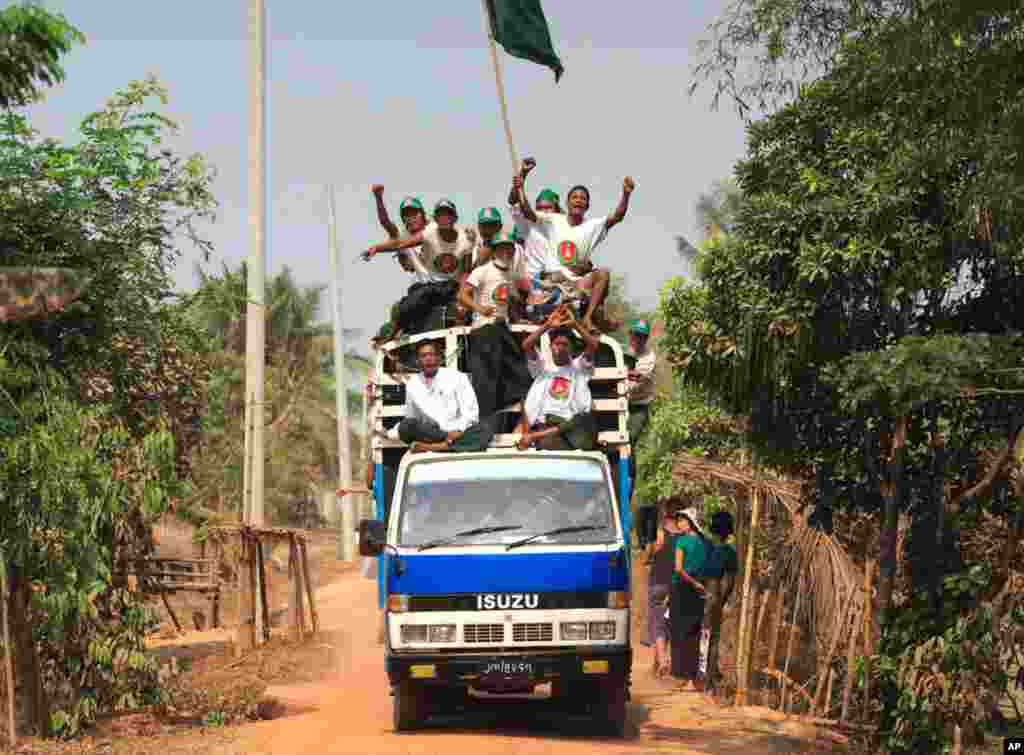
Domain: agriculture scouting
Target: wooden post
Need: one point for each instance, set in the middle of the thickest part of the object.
(313, 617)
(773, 642)
(868, 626)
(791, 641)
(743, 662)
(851, 660)
(262, 583)
(170, 612)
(748, 652)
(5, 598)
(296, 618)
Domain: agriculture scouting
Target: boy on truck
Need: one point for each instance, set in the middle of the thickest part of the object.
(495, 358)
(557, 413)
(446, 252)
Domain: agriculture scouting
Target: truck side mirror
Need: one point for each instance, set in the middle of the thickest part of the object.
(372, 536)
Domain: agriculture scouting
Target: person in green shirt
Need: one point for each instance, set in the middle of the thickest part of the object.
(721, 569)
(687, 606)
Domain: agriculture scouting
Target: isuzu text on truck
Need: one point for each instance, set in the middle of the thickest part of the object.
(504, 571)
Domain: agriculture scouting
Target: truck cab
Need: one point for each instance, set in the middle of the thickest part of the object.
(504, 572)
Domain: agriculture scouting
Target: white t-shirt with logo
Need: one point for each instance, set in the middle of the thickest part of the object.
(493, 287)
(536, 253)
(562, 391)
(439, 260)
(570, 246)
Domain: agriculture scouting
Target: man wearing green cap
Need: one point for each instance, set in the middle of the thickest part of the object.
(572, 240)
(446, 251)
(488, 225)
(640, 386)
(495, 359)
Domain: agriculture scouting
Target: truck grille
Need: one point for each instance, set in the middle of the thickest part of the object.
(484, 633)
(532, 632)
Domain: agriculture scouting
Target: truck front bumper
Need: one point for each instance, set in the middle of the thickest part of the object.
(503, 670)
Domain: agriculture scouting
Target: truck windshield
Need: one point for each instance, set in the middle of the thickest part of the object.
(441, 499)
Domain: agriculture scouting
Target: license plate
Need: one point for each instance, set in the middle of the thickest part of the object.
(506, 668)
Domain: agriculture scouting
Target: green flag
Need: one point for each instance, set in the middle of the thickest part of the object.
(520, 27)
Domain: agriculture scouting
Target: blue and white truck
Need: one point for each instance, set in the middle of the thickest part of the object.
(504, 571)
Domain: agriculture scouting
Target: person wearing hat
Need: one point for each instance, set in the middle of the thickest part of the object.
(558, 410)
(415, 220)
(488, 225)
(446, 251)
(640, 384)
(721, 570)
(688, 594)
(495, 359)
(571, 241)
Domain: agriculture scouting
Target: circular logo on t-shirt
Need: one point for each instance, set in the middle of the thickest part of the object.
(446, 263)
(559, 388)
(567, 252)
(500, 294)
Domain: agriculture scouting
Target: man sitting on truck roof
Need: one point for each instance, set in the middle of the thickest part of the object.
(571, 242)
(441, 412)
(557, 413)
(446, 251)
(495, 358)
(415, 220)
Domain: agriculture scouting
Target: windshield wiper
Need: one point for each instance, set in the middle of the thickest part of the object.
(559, 531)
(468, 533)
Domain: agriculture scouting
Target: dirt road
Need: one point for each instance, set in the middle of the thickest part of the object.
(351, 713)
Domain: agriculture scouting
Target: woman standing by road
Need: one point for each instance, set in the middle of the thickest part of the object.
(721, 568)
(687, 610)
(661, 556)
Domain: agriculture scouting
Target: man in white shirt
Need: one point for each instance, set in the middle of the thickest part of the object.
(640, 388)
(572, 240)
(557, 413)
(441, 412)
(446, 253)
(495, 358)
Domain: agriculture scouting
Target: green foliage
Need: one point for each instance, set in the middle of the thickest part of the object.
(684, 423)
(101, 400)
(68, 521)
(32, 42)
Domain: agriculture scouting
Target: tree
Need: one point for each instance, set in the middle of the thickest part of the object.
(829, 317)
(32, 42)
(99, 400)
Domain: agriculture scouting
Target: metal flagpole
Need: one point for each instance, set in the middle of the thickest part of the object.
(347, 551)
(255, 331)
(501, 86)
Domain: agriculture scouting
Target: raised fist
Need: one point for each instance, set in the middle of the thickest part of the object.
(377, 189)
(528, 164)
(628, 185)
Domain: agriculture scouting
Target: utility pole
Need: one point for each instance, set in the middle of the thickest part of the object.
(255, 324)
(346, 549)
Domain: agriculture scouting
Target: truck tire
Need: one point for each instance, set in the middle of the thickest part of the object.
(407, 707)
(612, 710)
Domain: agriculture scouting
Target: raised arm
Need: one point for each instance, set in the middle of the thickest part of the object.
(590, 341)
(382, 212)
(393, 245)
(524, 205)
(620, 211)
(554, 320)
(513, 194)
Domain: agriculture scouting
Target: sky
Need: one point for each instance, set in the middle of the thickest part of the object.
(403, 94)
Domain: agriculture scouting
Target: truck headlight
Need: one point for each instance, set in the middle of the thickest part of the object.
(441, 632)
(398, 603)
(574, 630)
(414, 633)
(602, 630)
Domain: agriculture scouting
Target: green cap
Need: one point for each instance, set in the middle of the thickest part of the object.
(445, 204)
(548, 195)
(410, 203)
(641, 327)
(489, 215)
(503, 237)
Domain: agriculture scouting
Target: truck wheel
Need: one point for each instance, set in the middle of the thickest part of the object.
(613, 710)
(407, 707)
